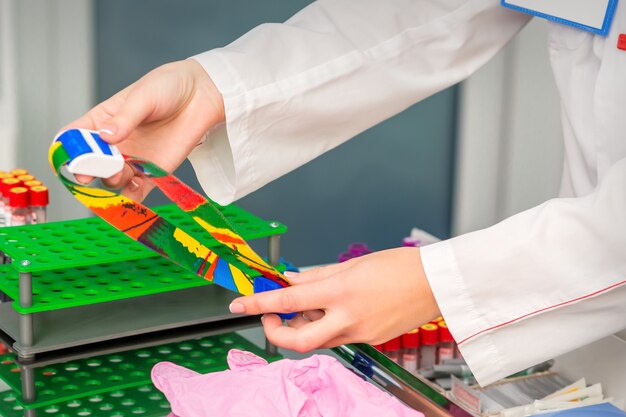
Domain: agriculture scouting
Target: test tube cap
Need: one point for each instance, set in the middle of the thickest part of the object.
(444, 332)
(429, 334)
(32, 183)
(39, 196)
(411, 339)
(25, 177)
(19, 171)
(4, 175)
(7, 184)
(392, 345)
(19, 197)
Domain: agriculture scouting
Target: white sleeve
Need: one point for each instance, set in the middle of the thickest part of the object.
(538, 284)
(295, 90)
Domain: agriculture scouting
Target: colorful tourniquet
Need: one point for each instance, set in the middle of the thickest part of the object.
(231, 263)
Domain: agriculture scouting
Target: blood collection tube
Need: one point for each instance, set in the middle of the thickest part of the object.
(410, 351)
(39, 204)
(5, 185)
(446, 343)
(18, 171)
(19, 202)
(429, 337)
(392, 349)
(378, 347)
(3, 175)
(25, 177)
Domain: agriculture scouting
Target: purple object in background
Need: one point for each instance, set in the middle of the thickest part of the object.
(419, 238)
(354, 251)
(345, 256)
(410, 242)
(359, 249)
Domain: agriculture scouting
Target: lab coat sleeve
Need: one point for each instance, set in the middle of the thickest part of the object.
(295, 90)
(538, 284)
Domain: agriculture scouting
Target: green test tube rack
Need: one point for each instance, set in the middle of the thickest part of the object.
(63, 274)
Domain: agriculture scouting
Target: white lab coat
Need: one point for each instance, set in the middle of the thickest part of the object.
(545, 281)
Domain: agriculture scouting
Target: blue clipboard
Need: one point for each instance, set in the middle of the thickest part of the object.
(603, 31)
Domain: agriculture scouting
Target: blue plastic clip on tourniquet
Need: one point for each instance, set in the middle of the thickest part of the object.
(262, 284)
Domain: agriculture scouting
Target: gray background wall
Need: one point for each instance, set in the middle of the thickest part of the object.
(373, 189)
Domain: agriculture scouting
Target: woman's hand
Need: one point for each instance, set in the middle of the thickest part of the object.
(368, 299)
(161, 118)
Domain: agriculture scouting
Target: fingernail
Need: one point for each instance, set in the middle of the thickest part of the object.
(290, 274)
(237, 308)
(133, 185)
(109, 130)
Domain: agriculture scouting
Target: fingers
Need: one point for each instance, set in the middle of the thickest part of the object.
(122, 178)
(135, 109)
(317, 274)
(304, 338)
(306, 317)
(308, 296)
(83, 179)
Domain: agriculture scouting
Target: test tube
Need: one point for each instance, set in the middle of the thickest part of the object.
(446, 343)
(392, 349)
(19, 202)
(410, 351)
(5, 185)
(429, 337)
(39, 204)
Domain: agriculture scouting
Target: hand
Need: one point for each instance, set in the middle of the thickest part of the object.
(369, 299)
(161, 118)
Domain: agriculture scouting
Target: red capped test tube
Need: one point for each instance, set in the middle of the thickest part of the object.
(429, 338)
(19, 202)
(446, 343)
(39, 201)
(410, 351)
(392, 349)
(5, 185)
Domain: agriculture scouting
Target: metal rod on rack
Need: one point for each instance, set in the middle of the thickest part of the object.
(273, 254)
(26, 300)
(28, 384)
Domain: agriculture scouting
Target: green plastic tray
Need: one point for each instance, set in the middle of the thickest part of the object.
(83, 285)
(86, 285)
(80, 378)
(142, 401)
(73, 243)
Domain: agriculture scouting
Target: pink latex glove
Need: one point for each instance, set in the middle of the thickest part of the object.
(319, 386)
